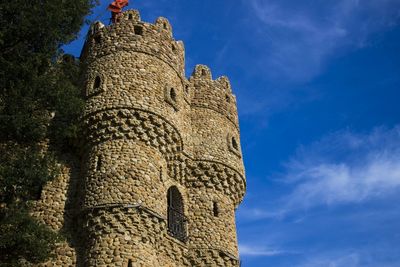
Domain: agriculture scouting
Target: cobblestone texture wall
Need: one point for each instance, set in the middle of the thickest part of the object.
(148, 128)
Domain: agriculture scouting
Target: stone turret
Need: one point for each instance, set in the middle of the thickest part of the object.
(216, 185)
(162, 168)
(164, 171)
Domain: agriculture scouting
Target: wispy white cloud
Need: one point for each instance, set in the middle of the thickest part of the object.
(300, 37)
(345, 167)
(257, 213)
(349, 260)
(355, 258)
(252, 250)
(360, 170)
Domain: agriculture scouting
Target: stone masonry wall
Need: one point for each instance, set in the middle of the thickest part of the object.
(57, 208)
(146, 129)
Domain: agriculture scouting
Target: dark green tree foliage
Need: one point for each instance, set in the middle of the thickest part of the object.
(22, 237)
(39, 105)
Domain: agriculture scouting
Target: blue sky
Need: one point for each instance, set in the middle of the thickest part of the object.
(318, 88)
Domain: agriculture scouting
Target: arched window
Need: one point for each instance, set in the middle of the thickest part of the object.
(172, 94)
(97, 83)
(99, 163)
(176, 217)
(215, 209)
(234, 143)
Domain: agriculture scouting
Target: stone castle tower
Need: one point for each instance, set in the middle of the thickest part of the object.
(162, 168)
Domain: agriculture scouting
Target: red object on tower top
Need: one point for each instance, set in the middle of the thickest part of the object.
(116, 8)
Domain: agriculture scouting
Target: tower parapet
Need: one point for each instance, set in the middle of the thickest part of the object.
(213, 94)
(132, 34)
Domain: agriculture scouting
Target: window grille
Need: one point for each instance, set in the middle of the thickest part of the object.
(176, 217)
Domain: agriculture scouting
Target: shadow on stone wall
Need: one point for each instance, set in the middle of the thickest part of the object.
(72, 227)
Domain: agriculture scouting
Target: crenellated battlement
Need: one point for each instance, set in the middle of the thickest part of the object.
(130, 34)
(213, 94)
